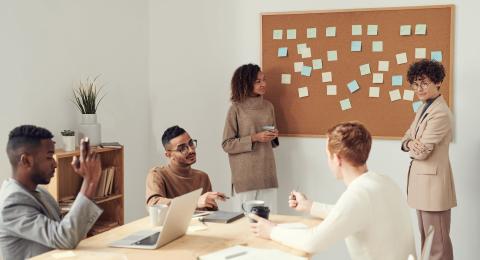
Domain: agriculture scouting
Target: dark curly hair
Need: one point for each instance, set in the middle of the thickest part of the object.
(171, 133)
(432, 69)
(27, 138)
(243, 80)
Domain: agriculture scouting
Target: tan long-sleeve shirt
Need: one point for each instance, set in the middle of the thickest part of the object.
(167, 182)
(252, 164)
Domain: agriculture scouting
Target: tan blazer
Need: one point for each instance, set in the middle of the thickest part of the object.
(430, 184)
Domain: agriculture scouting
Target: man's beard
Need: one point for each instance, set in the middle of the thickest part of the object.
(37, 177)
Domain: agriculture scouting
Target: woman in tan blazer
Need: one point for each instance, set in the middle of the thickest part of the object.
(249, 135)
(430, 187)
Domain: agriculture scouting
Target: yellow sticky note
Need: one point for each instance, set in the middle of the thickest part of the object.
(298, 66)
(332, 55)
(311, 33)
(331, 31)
(395, 95)
(364, 69)
(374, 92)
(377, 78)
(277, 34)
(291, 34)
(303, 92)
(331, 90)
(372, 29)
(306, 53)
(345, 104)
(301, 47)
(317, 64)
(420, 53)
(405, 30)
(421, 29)
(286, 79)
(401, 58)
(357, 29)
(327, 76)
(408, 94)
(383, 65)
(377, 46)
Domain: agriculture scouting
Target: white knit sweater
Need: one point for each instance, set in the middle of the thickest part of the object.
(371, 215)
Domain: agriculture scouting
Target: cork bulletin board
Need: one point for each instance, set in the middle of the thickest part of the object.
(325, 67)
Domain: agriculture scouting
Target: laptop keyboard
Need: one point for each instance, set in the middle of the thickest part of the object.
(148, 241)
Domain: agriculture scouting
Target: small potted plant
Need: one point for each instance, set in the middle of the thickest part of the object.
(68, 137)
(87, 98)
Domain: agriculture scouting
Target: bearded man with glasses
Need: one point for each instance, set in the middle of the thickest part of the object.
(430, 186)
(178, 177)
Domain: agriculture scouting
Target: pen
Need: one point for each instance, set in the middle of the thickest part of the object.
(223, 196)
(235, 255)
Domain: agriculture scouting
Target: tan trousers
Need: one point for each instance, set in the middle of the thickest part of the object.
(440, 220)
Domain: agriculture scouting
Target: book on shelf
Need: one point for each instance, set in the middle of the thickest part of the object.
(105, 185)
(110, 145)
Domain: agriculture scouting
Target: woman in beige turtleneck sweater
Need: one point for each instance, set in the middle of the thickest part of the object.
(248, 145)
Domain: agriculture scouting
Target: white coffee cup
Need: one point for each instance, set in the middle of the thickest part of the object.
(248, 205)
(157, 214)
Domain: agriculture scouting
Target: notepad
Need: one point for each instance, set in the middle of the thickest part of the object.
(222, 216)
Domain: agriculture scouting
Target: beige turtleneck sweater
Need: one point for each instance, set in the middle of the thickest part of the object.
(252, 164)
(167, 182)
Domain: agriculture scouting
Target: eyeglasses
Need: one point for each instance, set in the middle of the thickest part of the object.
(423, 85)
(183, 148)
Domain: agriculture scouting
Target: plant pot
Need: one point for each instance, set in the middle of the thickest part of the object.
(90, 128)
(69, 143)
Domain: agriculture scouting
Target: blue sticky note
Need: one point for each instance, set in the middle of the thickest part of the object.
(397, 80)
(416, 105)
(353, 86)
(436, 55)
(306, 71)
(356, 46)
(282, 51)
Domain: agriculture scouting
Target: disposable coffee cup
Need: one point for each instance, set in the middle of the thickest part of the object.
(157, 214)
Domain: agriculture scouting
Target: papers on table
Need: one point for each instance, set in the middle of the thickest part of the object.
(249, 253)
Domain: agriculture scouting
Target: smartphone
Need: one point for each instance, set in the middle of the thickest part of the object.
(86, 148)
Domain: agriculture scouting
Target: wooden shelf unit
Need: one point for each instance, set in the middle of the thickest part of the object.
(66, 183)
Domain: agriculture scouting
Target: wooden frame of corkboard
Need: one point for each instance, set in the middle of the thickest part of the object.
(311, 116)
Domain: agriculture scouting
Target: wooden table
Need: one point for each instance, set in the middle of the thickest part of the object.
(195, 243)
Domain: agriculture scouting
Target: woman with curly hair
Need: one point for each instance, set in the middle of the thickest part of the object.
(430, 187)
(249, 135)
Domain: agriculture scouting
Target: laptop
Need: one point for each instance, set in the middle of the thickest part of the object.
(176, 224)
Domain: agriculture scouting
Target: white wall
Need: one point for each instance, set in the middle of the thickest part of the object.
(195, 47)
(170, 62)
(46, 46)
